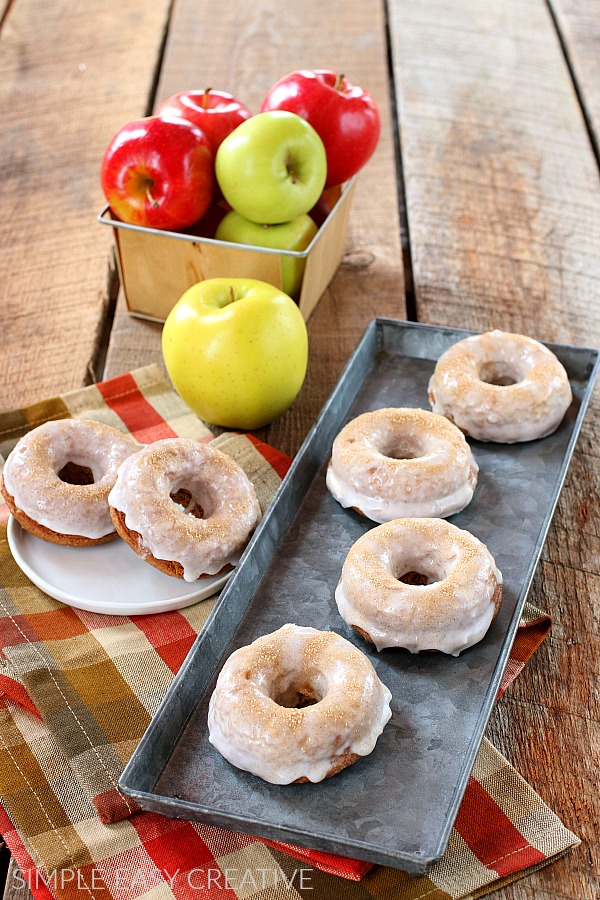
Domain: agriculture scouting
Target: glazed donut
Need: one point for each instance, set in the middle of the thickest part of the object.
(297, 705)
(57, 479)
(401, 462)
(186, 508)
(421, 584)
(501, 387)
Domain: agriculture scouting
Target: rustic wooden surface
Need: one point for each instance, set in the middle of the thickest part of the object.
(69, 78)
(578, 24)
(499, 186)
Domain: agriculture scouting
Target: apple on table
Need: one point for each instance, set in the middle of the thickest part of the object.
(158, 172)
(236, 351)
(295, 236)
(272, 168)
(344, 115)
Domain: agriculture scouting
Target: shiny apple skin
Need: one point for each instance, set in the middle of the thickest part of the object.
(158, 172)
(345, 116)
(272, 168)
(216, 113)
(294, 235)
(236, 351)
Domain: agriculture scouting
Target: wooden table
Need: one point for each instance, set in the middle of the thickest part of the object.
(481, 208)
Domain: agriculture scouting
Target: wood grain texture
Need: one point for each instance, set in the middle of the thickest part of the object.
(68, 80)
(579, 25)
(501, 183)
(249, 48)
(503, 207)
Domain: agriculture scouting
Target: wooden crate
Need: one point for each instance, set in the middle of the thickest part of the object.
(157, 267)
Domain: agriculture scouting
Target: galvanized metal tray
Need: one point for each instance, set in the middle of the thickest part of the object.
(396, 806)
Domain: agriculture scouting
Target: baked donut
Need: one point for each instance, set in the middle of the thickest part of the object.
(421, 584)
(297, 705)
(401, 462)
(501, 387)
(57, 479)
(186, 508)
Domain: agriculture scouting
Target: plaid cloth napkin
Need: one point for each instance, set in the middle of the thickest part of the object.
(77, 690)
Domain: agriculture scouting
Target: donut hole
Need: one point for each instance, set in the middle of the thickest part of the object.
(74, 473)
(194, 497)
(498, 373)
(403, 453)
(402, 450)
(297, 694)
(417, 578)
(187, 503)
(416, 573)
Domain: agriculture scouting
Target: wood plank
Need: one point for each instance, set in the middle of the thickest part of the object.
(503, 208)
(579, 25)
(501, 183)
(60, 107)
(266, 40)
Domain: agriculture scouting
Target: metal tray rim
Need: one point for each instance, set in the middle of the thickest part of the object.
(104, 218)
(227, 821)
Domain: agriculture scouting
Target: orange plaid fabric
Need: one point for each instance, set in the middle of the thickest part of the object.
(77, 690)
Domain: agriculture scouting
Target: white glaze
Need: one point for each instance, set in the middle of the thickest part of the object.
(281, 744)
(31, 475)
(450, 614)
(533, 407)
(216, 482)
(438, 479)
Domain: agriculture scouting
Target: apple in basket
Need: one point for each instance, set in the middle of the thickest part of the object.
(236, 350)
(272, 168)
(295, 236)
(216, 113)
(344, 115)
(158, 172)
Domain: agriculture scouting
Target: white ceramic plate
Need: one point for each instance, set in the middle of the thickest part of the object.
(108, 578)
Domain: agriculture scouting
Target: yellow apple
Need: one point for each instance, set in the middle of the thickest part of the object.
(236, 350)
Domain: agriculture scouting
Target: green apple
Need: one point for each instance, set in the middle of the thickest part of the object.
(236, 350)
(295, 235)
(272, 168)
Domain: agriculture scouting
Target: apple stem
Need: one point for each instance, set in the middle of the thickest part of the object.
(205, 98)
(151, 198)
(340, 82)
(231, 294)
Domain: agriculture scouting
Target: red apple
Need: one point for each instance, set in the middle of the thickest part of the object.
(158, 172)
(215, 112)
(344, 116)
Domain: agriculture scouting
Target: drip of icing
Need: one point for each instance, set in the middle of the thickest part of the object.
(433, 472)
(530, 408)
(217, 484)
(450, 614)
(31, 475)
(280, 744)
